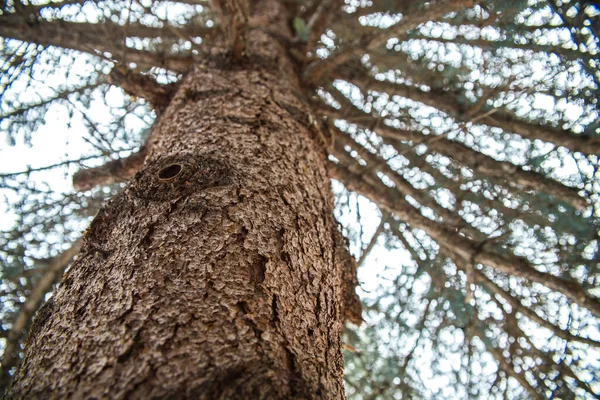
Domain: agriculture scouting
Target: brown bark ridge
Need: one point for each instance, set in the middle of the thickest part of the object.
(216, 273)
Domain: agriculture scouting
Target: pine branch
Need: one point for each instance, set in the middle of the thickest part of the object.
(33, 10)
(112, 172)
(144, 86)
(30, 170)
(95, 39)
(60, 95)
(321, 69)
(319, 21)
(559, 50)
(511, 174)
(379, 164)
(51, 275)
(450, 105)
(511, 323)
(368, 185)
(372, 243)
(192, 2)
(575, 26)
(508, 368)
(234, 21)
(419, 160)
(516, 305)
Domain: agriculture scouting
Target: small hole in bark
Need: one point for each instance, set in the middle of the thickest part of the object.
(243, 307)
(310, 332)
(169, 172)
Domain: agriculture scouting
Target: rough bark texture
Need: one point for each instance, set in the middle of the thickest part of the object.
(214, 274)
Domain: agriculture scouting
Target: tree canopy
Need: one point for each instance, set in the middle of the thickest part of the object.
(463, 139)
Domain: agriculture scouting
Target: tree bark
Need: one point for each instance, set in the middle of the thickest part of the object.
(216, 273)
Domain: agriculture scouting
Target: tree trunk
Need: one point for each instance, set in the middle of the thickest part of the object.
(213, 275)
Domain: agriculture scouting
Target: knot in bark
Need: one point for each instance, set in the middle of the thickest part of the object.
(177, 176)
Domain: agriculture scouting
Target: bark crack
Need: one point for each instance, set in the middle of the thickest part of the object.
(275, 312)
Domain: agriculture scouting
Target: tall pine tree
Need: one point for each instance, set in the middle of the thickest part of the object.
(462, 138)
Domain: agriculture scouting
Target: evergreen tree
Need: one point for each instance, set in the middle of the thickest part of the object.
(462, 138)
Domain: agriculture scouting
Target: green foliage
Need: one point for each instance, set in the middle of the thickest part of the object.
(302, 30)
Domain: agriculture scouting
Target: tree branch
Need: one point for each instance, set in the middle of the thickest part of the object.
(47, 167)
(510, 321)
(51, 275)
(33, 10)
(405, 187)
(93, 38)
(367, 250)
(368, 185)
(511, 174)
(112, 172)
(318, 70)
(60, 95)
(144, 86)
(419, 161)
(508, 368)
(450, 105)
(234, 21)
(560, 51)
(318, 22)
(529, 313)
